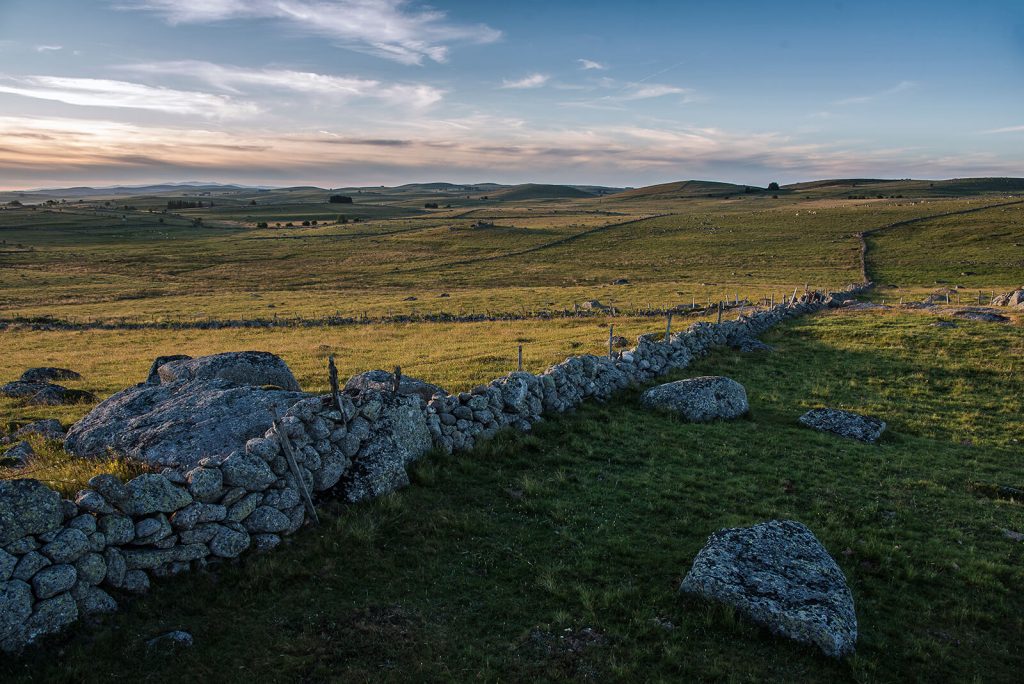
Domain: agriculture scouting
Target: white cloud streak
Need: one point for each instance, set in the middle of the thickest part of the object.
(1005, 129)
(392, 29)
(589, 64)
(900, 87)
(49, 48)
(526, 82)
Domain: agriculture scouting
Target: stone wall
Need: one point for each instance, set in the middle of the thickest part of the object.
(61, 560)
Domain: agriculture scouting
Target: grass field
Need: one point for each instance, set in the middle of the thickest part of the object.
(558, 555)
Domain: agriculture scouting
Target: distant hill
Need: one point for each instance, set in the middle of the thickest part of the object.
(953, 187)
(131, 190)
(529, 191)
(685, 189)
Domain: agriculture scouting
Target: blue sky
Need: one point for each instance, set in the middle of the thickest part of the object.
(341, 92)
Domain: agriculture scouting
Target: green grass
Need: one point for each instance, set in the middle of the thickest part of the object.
(494, 563)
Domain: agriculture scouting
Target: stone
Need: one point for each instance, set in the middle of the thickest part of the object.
(16, 602)
(31, 563)
(779, 575)
(400, 437)
(147, 559)
(135, 582)
(18, 455)
(152, 530)
(266, 519)
(22, 390)
(981, 315)
(57, 395)
(252, 368)
(92, 600)
(27, 507)
(152, 493)
(699, 399)
(205, 484)
(119, 529)
(748, 344)
(265, 448)
(91, 568)
(53, 580)
(333, 466)
(153, 377)
(383, 382)
(51, 616)
(69, 545)
(116, 567)
(48, 428)
(178, 423)
(265, 542)
(171, 640)
(93, 502)
(110, 488)
(844, 423)
(48, 374)
(84, 522)
(8, 562)
(244, 508)
(229, 543)
(247, 471)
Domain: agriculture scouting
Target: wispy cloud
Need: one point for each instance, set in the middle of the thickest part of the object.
(392, 29)
(232, 78)
(900, 87)
(97, 92)
(589, 64)
(646, 91)
(1006, 129)
(531, 81)
(49, 48)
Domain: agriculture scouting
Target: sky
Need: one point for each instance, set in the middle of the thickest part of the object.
(381, 92)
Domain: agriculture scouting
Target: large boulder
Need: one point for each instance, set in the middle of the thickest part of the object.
(382, 381)
(779, 575)
(251, 368)
(48, 373)
(27, 507)
(844, 423)
(399, 436)
(206, 407)
(699, 399)
(1013, 298)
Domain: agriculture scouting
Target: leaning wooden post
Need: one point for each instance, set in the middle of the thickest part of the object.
(520, 358)
(719, 312)
(332, 371)
(398, 380)
(773, 300)
(668, 327)
(286, 447)
(611, 334)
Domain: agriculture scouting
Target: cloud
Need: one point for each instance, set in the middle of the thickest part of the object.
(49, 48)
(1007, 129)
(97, 92)
(392, 29)
(646, 91)
(230, 78)
(588, 64)
(531, 81)
(900, 87)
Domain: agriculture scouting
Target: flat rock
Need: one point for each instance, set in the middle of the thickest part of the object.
(58, 395)
(49, 428)
(779, 575)
(699, 399)
(981, 315)
(844, 423)
(252, 368)
(20, 389)
(48, 374)
(383, 382)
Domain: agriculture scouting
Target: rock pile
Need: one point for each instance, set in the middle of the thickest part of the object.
(779, 575)
(1014, 299)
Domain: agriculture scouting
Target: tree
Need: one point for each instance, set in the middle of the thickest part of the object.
(340, 199)
(773, 186)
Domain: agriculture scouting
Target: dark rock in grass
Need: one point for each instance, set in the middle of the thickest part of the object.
(153, 377)
(253, 368)
(619, 342)
(48, 374)
(17, 455)
(779, 575)
(27, 507)
(179, 422)
(943, 324)
(699, 399)
(48, 428)
(22, 390)
(844, 423)
(56, 395)
(171, 641)
(981, 315)
(748, 345)
(383, 382)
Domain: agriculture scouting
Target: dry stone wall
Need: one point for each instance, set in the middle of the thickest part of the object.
(61, 560)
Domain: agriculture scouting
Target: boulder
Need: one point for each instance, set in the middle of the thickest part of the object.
(981, 315)
(152, 493)
(57, 395)
(153, 377)
(178, 423)
(48, 374)
(48, 428)
(27, 507)
(779, 575)
(400, 436)
(17, 455)
(22, 390)
(1013, 298)
(593, 304)
(252, 368)
(844, 423)
(383, 382)
(699, 399)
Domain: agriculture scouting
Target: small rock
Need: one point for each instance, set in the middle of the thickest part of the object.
(844, 423)
(48, 428)
(172, 640)
(53, 580)
(19, 454)
(152, 493)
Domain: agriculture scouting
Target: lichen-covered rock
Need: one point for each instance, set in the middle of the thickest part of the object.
(51, 616)
(30, 563)
(205, 484)
(27, 507)
(48, 428)
(247, 471)
(69, 545)
(18, 455)
(152, 493)
(252, 368)
(58, 395)
(91, 568)
(383, 382)
(153, 377)
(266, 519)
(48, 374)
(779, 575)
(92, 600)
(16, 601)
(699, 399)
(53, 580)
(20, 389)
(7, 564)
(229, 543)
(844, 423)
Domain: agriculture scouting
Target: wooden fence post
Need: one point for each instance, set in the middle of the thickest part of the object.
(286, 447)
(332, 371)
(668, 327)
(719, 312)
(398, 379)
(611, 333)
(520, 358)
